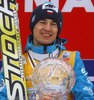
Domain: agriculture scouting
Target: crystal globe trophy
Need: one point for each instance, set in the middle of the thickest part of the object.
(53, 78)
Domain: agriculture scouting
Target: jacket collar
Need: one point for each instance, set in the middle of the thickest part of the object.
(57, 43)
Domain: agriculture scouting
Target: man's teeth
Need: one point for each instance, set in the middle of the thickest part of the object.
(46, 34)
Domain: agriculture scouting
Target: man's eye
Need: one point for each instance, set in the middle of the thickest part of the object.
(42, 22)
(54, 24)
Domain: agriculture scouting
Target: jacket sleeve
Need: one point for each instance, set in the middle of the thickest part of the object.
(3, 94)
(83, 88)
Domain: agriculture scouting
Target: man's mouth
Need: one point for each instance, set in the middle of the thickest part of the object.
(46, 34)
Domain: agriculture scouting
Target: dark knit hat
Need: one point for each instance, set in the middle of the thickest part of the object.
(46, 11)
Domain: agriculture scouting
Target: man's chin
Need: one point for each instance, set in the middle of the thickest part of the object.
(47, 44)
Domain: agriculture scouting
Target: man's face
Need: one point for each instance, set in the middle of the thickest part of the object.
(44, 32)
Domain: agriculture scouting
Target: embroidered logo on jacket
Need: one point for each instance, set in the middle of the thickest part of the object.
(66, 55)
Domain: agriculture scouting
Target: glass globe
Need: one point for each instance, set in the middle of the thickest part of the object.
(53, 77)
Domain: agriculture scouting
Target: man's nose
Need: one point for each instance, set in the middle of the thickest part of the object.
(48, 27)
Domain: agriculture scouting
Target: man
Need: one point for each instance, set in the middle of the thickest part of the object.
(45, 25)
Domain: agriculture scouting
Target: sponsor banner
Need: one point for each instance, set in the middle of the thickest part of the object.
(89, 65)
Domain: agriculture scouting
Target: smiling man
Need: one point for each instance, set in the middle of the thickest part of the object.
(45, 32)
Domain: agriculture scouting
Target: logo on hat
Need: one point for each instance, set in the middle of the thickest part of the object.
(50, 7)
(49, 12)
(33, 18)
